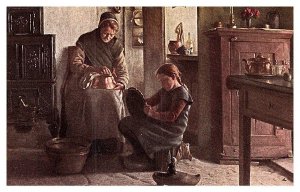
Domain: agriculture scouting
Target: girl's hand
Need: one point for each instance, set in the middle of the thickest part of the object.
(148, 110)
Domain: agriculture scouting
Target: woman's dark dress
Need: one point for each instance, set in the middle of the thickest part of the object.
(95, 113)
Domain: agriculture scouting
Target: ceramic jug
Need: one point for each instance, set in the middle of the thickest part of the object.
(273, 19)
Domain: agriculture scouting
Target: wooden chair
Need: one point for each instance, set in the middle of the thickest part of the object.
(63, 124)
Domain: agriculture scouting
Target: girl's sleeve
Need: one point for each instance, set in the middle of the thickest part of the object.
(180, 100)
(172, 115)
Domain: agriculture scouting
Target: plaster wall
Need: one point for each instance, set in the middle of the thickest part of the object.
(67, 23)
(188, 17)
(133, 55)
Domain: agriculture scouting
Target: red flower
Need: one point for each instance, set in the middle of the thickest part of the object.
(248, 13)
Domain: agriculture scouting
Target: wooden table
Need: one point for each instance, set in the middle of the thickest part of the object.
(266, 99)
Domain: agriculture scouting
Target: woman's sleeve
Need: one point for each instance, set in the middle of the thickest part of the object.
(77, 61)
(120, 69)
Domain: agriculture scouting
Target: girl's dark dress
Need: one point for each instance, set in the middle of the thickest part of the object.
(155, 135)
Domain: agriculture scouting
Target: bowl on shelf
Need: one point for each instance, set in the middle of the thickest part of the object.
(173, 46)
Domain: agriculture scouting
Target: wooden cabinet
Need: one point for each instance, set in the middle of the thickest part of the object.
(31, 81)
(31, 78)
(228, 47)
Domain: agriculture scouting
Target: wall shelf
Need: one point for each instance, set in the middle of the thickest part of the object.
(178, 57)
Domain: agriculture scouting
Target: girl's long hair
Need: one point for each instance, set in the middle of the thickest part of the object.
(170, 70)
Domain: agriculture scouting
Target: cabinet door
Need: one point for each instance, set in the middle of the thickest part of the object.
(31, 58)
(22, 98)
(25, 20)
(267, 140)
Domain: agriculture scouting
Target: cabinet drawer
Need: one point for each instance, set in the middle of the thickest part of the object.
(267, 103)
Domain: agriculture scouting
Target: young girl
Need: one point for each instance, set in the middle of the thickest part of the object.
(167, 117)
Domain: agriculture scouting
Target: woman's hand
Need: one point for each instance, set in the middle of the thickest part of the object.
(103, 70)
(95, 82)
(119, 86)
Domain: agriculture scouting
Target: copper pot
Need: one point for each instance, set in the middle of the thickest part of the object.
(258, 65)
(68, 155)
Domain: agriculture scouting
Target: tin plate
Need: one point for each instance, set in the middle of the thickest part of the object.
(135, 102)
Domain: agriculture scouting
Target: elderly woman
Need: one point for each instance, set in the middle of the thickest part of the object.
(94, 90)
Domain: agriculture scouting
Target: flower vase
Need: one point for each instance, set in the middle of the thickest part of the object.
(248, 23)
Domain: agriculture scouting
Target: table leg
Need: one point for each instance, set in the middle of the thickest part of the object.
(244, 142)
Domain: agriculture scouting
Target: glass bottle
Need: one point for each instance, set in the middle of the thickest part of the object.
(278, 68)
(189, 44)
